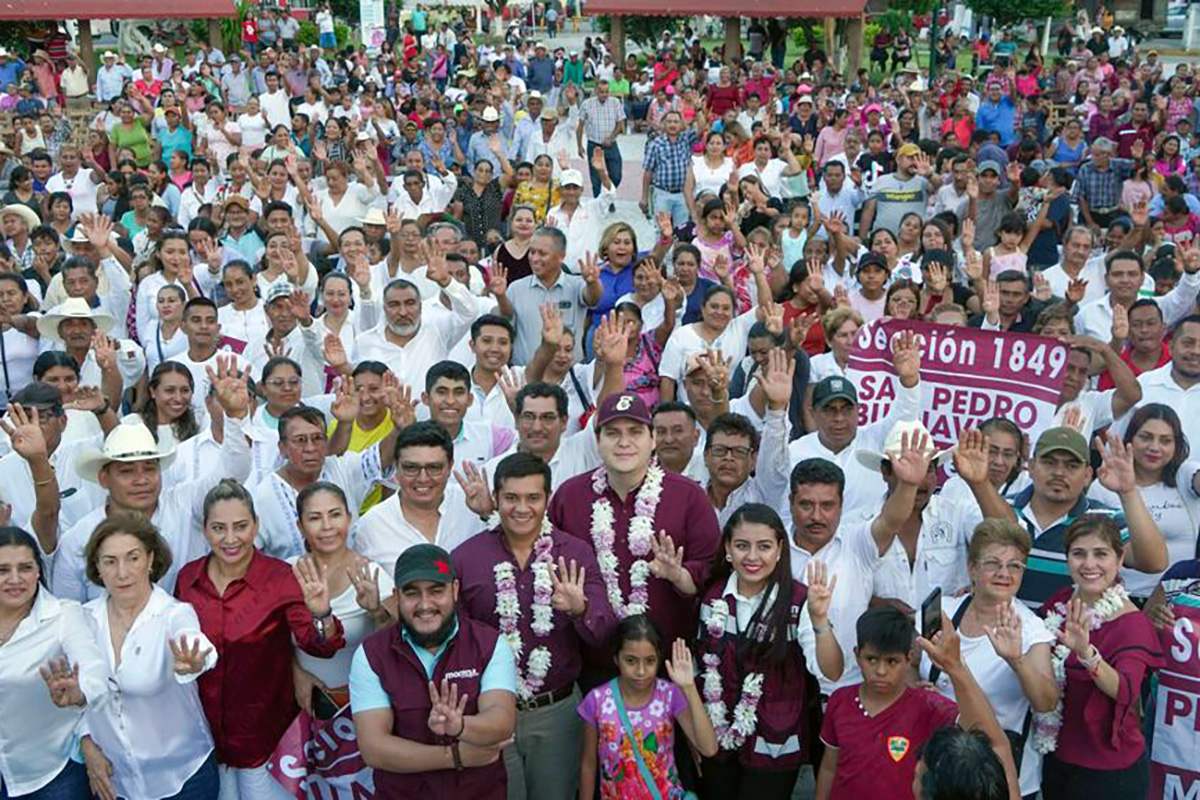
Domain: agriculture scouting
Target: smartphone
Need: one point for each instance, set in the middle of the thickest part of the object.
(324, 707)
(931, 614)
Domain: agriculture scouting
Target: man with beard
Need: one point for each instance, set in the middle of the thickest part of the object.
(655, 531)
(1061, 473)
(414, 335)
(544, 628)
(434, 698)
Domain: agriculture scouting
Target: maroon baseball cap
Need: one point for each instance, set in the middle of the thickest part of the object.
(622, 406)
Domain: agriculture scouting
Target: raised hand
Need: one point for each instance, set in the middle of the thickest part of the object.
(104, 348)
(967, 235)
(446, 717)
(945, 651)
(773, 316)
(474, 483)
(62, 679)
(776, 379)
(841, 297)
(232, 386)
(335, 352)
(188, 660)
(1120, 322)
(1005, 635)
(939, 278)
(1076, 630)
(568, 581)
(301, 307)
(991, 300)
(668, 559)
(314, 586)
(25, 433)
(498, 280)
(820, 591)
(680, 667)
(970, 457)
(611, 342)
(755, 258)
(911, 464)
(1041, 287)
(906, 358)
(716, 372)
(366, 587)
(1073, 417)
(1076, 290)
(589, 267)
(1116, 471)
(400, 403)
(552, 325)
(511, 383)
(666, 226)
(346, 402)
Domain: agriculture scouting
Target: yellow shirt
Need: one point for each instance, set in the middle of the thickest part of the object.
(360, 440)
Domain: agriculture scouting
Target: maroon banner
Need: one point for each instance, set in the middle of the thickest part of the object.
(1175, 754)
(318, 760)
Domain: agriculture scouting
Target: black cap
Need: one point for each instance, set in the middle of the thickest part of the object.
(868, 259)
(41, 396)
(835, 387)
(424, 562)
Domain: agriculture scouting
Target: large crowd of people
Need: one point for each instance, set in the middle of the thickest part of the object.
(339, 387)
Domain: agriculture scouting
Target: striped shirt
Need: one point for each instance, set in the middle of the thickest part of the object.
(1046, 568)
(600, 119)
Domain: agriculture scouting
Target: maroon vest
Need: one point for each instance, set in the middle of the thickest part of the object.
(407, 684)
(782, 705)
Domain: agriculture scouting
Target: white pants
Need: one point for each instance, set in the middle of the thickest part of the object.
(254, 783)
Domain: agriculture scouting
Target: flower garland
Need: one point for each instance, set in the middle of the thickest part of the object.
(1046, 724)
(641, 541)
(745, 713)
(508, 609)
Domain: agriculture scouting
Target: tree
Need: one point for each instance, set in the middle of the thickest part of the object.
(642, 29)
(1007, 12)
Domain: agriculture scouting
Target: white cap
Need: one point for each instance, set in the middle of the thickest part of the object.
(571, 177)
(804, 98)
(158, 48)
(535, 95)
(3, 52)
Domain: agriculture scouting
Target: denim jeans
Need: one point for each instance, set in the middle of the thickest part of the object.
(205, 783)
(70, 784)
(612, 162)
(672, 203)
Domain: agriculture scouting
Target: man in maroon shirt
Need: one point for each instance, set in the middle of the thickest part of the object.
(542, 589)
(654, 532)
(1139, 126)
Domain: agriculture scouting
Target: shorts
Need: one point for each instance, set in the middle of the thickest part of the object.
(328, 40)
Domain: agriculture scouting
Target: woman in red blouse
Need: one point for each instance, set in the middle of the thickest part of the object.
(1107, 648)
(250, 607)
(723, 96)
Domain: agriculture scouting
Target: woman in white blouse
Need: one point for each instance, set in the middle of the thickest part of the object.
(18, 348)
(707, 172)
(172, 260)
(361, 591)
(151, 739)
(1005, 644)
(340, 204)
(243, 317)
(283, 257)
(166, 338)
(349, 306)
(40, 633)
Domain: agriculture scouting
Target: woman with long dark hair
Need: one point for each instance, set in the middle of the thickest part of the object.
(753, 671)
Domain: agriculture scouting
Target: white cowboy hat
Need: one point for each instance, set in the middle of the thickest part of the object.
(491, 115)
(22, 211)
(373, 217)
(72, 308)
(129, 441)
(891, 446)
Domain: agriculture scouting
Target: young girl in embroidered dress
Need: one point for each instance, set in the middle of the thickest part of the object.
(630, 732)
(753, 673)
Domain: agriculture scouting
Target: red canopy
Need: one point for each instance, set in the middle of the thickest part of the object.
(113, 9)
(721, 8)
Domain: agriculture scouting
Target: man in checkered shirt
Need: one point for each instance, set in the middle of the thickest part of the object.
(665, 167)
(602, 118)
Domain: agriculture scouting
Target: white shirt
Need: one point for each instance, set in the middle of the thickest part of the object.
(440, 330)
(685, 341)
(823, 366)
(865, 489)
(178, 518)
(998, 680)
(584, 227)
(312, 369)
(771, 175)
(1095, 318)
(79, 496)
(254, 130)
(1159, 386)
(772, 471)
(941, 557)
(435, 196)
(244, 325)
(159, 349)
(275, 108)
(82, 188)
(852, 556)
(200, 380)
(575, 455)
(347, 211)
(36, 736)
(706, 178)
(357, 625)
(149, 697)
(1095, 408)
(275, 500)
(384, 534)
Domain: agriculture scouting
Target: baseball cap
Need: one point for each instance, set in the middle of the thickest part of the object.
(571, 177)
(909, 149)
(622, 406)
(424, 562)
(869, 259)
(1064, 439)
(278, 289)
(41, 396)
(835, 387)
(984, 166)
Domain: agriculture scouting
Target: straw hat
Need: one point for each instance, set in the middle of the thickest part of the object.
(72, 308)
(22, 211)
(129, 441)
(892, 445)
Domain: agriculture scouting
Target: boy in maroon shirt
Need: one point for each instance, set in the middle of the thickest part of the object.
(874, 731)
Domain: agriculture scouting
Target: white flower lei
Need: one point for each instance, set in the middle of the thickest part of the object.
(641, 540)
(745, 713)
(508, 609)
(1047, 724)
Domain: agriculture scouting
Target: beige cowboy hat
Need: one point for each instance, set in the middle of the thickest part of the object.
(892, 445)
(374, 216)
(129, 441)
(72, 308)
(22, 211)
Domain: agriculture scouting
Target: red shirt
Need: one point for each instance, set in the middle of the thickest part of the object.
(721, 99)
(814, 342)
(878, 755)
(1106, 381)
(248, 697)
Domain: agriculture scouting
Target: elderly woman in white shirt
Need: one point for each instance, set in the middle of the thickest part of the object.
(341, 204)
(40, 633)
(1004, 643)
(151, 739)
(349, 306)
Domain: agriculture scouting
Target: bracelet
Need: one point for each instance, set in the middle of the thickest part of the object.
(46, 482)
(100, 412)
(821, 630)
(456, 757)
(1093, 660)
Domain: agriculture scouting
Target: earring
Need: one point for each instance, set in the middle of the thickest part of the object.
(729, 558)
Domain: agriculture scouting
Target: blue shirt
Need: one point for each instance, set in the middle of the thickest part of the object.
(998, 117)
(179, 139)
(10, 71)
(367, 692)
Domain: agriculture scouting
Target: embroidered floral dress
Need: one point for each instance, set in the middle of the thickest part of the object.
(654, 728)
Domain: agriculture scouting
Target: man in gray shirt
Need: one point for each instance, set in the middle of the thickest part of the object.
(572, 295)
(903, 191)
(986, 204)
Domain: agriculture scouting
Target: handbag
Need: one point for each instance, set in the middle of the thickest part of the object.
(647, 778)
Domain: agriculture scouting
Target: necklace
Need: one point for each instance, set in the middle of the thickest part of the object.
(730, 735)
(640, 538)
(1046, 724)
(508, 609)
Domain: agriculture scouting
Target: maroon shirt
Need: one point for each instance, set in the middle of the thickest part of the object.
(474, 561)
(687, 516)
(249, 697)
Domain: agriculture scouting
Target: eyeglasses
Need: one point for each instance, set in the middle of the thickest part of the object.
(721, 450)
(549, 418)
(410, 470)
(305, 441)
(992, 566)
